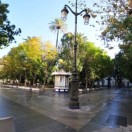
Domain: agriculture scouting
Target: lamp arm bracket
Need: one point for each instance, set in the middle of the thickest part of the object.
(76, 14)
(70, 9)
(85, 10)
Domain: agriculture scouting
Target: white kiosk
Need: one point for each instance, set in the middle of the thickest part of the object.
(61, 83)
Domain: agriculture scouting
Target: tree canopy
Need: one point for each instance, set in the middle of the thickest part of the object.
(92, 62)
(7, 30)
(29, 62)
(33, 60)
(55, 26)
(116, 20)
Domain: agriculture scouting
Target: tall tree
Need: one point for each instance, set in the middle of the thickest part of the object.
(7, 31)
(123, 62)
(23, 62)
(96, 64)
(116, 20)
(49, 54)
(56, 25)
(92, 62)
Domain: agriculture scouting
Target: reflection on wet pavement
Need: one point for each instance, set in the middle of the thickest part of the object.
(114, 120)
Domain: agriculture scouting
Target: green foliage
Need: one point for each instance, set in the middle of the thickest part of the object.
(49, 56)
(115, 20)
(92, 62)
(123, 61)
(7, 31)
(119, 29)
(32, 61)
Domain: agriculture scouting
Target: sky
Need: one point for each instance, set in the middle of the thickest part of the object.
(33, 17)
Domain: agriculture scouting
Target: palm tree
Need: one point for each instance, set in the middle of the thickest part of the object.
(56, 25)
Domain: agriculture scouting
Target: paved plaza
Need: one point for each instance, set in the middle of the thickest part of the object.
(100, 111)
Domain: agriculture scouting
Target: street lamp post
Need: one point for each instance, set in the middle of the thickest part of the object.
(74, 103)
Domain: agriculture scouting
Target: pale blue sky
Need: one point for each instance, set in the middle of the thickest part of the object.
(33, 17)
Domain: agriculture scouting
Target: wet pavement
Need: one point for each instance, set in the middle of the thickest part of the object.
(49, 112)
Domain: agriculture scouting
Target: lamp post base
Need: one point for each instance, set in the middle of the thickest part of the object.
(74, 103)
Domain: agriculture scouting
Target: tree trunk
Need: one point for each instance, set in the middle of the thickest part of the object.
(44, 83)
(43, 87)
(34, 79)
(98, 84)
(14, 79)
(57, 38)
(20, 79)
(25, 78)
(86, 86)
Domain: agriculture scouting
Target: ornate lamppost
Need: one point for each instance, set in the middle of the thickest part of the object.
(74, 103)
